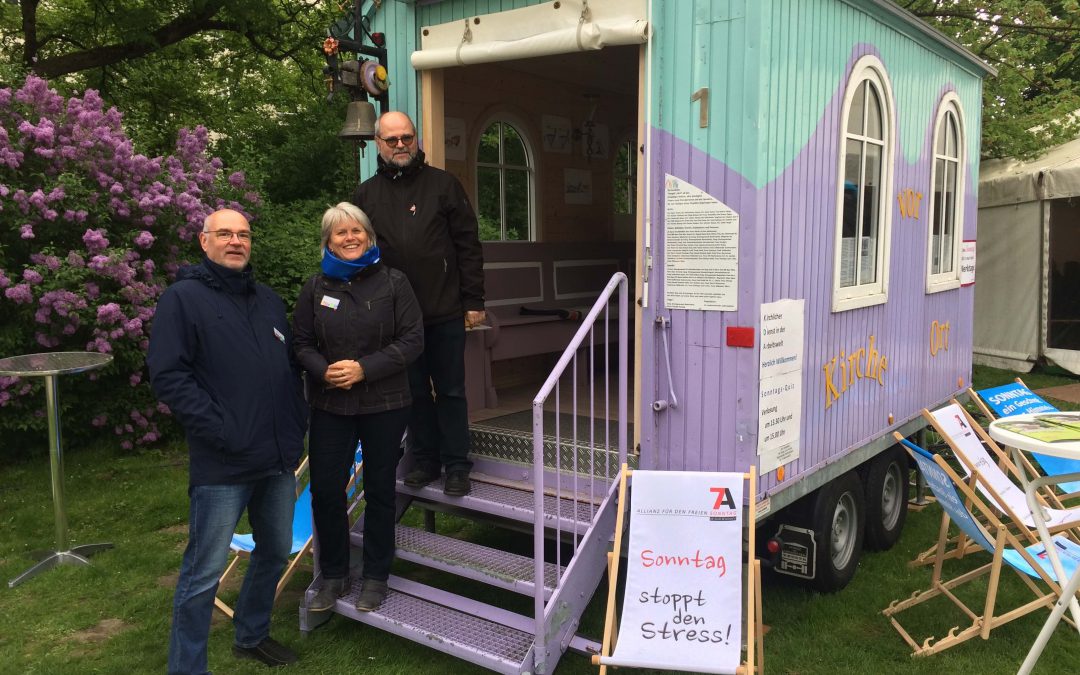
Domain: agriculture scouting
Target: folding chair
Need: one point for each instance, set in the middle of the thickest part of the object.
(961, 505)
(1016, 399)
(302, 525)
(998, 476)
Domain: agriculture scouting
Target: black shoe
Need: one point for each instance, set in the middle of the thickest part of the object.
(269, 651)
(372, 594)
(331, 590)
(457, 483)
(419, 477)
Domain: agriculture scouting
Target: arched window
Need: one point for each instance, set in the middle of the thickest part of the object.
(504, 184)
(624, 178)
(945, 217)
(864, 216)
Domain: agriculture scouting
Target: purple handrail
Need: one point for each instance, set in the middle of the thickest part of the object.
(569, 355)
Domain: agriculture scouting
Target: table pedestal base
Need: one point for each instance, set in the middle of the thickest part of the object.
(75, 556)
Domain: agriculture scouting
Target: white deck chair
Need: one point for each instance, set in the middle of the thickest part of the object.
(969, 441)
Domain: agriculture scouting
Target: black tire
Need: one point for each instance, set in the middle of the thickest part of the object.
(886, 499)
(838, 522)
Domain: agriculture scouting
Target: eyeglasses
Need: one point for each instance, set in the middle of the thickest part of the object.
(392, 141)
(227, 235)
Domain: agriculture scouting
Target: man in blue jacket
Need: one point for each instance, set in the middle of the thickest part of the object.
(219, 357)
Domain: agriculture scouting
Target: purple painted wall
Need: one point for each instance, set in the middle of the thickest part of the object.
(787, 238)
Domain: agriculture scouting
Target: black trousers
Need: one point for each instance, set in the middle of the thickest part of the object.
(439, 425)
(331, 449)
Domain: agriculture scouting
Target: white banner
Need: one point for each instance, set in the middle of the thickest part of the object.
(780, 359)
(683, 605)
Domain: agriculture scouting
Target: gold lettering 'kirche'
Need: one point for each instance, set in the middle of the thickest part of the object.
(845, 369)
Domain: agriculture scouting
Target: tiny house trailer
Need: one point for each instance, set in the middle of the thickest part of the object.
(768, 208)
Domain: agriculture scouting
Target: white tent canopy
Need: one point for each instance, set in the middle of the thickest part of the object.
(1053, 175)
(1012, 308)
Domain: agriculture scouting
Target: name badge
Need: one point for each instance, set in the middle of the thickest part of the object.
(278, 334)
(327, 301)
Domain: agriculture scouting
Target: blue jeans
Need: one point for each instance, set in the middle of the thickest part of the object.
(215, 510)
(439, 424)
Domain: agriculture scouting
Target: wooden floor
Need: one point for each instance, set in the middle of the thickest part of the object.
(519, 398)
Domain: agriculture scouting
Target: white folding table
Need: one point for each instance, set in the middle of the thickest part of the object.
(1063, 448)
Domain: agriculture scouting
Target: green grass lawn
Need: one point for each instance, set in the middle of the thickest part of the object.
(113, 617)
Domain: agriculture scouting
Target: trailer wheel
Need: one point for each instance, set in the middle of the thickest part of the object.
(886, 499)
(839, 520)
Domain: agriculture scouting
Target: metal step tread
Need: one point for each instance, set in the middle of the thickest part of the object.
(501, 565)
(489, 643)
(507, 502)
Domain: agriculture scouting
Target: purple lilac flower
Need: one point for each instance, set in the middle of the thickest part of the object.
(19, 294)
(109, 313)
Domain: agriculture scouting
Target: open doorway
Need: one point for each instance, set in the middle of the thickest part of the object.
(1063, 320)
(549, 150)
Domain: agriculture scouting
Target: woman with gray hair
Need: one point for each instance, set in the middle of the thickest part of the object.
(356, 327)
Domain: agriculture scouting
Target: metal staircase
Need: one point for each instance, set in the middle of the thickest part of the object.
(555, 484)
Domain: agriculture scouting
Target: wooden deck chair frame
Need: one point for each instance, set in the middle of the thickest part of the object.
(1026, 463)
(1005, 464)
(298, 557)
(755, 646)
(960, 545)
(997, 533)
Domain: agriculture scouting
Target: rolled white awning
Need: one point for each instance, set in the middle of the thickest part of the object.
(541, 30)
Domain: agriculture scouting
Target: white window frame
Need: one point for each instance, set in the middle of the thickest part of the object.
(867, 69)
(944, 281)
(530, 171)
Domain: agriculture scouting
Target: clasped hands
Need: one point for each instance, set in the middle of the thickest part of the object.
(474, 318)
(344, 374)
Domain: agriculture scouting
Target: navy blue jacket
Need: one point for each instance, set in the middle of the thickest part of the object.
(220, 358)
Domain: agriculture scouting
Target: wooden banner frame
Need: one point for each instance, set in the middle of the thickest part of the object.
(754, 664)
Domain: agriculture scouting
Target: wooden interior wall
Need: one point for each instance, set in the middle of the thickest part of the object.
(481, 93)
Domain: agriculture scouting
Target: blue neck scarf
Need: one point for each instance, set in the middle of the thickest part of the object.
(344, 270)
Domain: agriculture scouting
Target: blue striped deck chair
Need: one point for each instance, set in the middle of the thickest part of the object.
(961, 505)
(1016, 399)
(302, 530)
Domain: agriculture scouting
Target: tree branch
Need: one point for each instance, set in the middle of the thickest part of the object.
(181, 27)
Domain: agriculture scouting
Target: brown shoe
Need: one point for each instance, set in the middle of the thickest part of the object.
(331, 590)
(372, 594)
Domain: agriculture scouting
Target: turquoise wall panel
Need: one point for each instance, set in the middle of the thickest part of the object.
(774, 66)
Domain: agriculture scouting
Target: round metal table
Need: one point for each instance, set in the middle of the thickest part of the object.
(49, 366)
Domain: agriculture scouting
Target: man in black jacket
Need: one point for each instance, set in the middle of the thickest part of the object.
(427, 229)
(219, 357)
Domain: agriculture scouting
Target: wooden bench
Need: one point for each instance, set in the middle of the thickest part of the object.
(537, 275)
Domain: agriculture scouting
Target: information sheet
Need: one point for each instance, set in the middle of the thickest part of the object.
(967, 262)
(780, 383)
(701, 249)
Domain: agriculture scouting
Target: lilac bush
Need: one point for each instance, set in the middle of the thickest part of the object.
(91, 232)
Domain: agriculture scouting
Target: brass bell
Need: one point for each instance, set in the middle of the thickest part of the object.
(359, 122)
